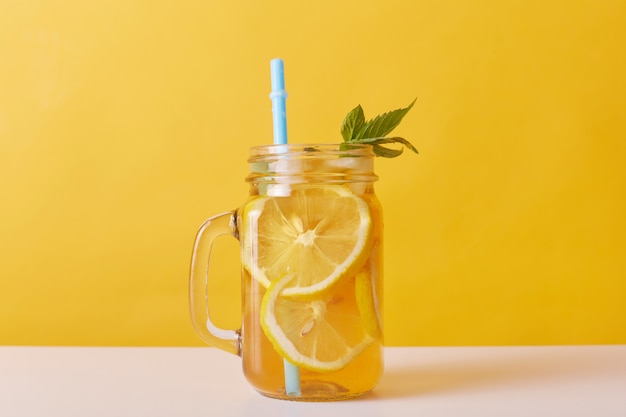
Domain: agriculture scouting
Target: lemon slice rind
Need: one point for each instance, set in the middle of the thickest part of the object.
(285, 346)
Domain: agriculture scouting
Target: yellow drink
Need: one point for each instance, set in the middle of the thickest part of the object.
(263, 365)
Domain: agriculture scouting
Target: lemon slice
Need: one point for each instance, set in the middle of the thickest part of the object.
(321, 334)
(367, 302)
(316, 234)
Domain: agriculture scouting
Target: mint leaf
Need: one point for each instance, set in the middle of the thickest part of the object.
(383, 150)
(352, 123)
(383, 124)
(355, 129)
(386, 152)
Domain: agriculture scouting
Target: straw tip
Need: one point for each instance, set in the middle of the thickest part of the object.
(276, 61)
(277, 66)
(277, 74)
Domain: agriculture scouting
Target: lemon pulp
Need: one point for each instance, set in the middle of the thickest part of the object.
(316, 234)
(322, 334)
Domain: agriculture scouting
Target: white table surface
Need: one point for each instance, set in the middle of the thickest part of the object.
(422, 381)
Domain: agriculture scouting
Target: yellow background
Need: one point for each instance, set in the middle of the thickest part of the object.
(123, 124)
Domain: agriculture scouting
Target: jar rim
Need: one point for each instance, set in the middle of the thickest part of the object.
(312, 162)
(310, 150)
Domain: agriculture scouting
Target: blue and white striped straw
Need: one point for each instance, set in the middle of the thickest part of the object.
(279, 112)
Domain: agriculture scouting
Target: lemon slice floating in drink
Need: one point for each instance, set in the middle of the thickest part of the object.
(316, 234)
(367, 302)
(323, 333)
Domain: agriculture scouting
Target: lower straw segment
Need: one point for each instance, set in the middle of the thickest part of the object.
(292, 379)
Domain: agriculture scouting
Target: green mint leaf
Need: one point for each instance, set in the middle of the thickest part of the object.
(354, 129)
(352, 123)
(383, 124)
(384, 151)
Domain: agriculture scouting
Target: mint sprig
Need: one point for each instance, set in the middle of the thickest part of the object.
(355, 129)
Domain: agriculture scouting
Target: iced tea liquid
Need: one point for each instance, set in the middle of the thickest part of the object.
(263, 366)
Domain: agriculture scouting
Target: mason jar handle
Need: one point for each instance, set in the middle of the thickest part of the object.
(219, 225)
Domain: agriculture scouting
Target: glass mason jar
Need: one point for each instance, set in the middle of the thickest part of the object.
(310, 235)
